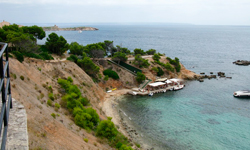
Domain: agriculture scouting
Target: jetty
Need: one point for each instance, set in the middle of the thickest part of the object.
(159, 86)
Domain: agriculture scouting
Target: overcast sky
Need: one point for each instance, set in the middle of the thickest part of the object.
(200, 12)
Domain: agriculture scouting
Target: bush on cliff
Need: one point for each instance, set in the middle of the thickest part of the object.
(111, 74)
(106, 129)
(140, 77)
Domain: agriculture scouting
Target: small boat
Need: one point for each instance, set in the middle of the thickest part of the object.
(179, 87)
(80, 31)
(242, 94)
(151, 94)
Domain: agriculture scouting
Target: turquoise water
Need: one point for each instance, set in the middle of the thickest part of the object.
(202, 116)
(189, 119)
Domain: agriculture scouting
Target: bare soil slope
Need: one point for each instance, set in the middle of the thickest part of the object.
(44, 131)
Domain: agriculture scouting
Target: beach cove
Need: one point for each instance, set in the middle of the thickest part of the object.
(202, 115)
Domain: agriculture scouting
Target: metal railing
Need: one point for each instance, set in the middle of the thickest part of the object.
(5, 93)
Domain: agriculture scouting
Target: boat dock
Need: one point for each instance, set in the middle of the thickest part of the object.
(159, 87)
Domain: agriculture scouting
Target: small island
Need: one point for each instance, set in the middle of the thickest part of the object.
(56, 28)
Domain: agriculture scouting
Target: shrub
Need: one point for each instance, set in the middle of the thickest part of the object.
(111, 74)
(140, 77)
(49, 102)
(70, 79)
(73, 58)
(53, 115)
(50, 89)
(169, 67)
(19, 56)
(46, 56)
(51, 96)
(141, 62)
(106, 78)
(151, 52)
(57, 106)
(125, 147)
(22, 77)
(84, 101)
(32, 55)
(106, 129)
(139, 51)
(86, 140)
(156, 57)
(160, 71)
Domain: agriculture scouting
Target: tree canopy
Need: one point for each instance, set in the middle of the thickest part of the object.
(119, 56)
(56, 44)
(141, 62)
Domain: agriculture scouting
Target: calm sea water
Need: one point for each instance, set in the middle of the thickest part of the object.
(202, 116)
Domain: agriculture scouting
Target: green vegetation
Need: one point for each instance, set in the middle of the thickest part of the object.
(88, 66)
(151, 52)
(176, 63)
(111, 73)
(51, 96)
(87, 118)
(49, 102)
(73, 58)
(86, 140)
(76, 48)
(22, 77)
(53, 115)
(159, 71)
(119, 56)
(140, 77)
(156, 57)
(19, 56)
(23, 41)
(107, 129)
(139, 51)
(56, 44)
(106, 78)
(141, 62)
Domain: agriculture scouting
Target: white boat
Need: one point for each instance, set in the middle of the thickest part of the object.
(243, 94)
(151, 94)
(178, 87)
(80, 31)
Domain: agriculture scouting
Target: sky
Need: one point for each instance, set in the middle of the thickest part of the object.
(197, 12)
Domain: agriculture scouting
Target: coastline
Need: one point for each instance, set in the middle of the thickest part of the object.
(121, 120)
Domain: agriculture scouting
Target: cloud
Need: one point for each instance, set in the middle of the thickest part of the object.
(177, 11)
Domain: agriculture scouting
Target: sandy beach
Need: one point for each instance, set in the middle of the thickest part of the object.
(111, 109)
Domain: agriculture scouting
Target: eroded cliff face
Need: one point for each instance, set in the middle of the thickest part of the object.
(44, 131)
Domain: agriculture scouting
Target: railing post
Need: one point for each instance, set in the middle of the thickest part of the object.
(5, 94)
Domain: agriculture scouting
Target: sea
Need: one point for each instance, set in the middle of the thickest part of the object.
(203, 115)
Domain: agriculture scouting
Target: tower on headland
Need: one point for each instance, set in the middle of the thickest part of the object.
(4, 23)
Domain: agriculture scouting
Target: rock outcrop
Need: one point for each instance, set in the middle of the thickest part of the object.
(242, 62)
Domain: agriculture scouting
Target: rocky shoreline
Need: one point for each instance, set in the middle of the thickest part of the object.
(56, 28)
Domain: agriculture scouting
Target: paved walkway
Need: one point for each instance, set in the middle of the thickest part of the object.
(17, 138)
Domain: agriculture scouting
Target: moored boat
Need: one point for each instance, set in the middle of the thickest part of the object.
(242, 94)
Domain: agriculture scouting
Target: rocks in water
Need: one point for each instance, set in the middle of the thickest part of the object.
(242, 62)
(221, 74)
(201, 80)
(211, 76)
